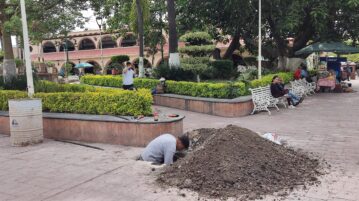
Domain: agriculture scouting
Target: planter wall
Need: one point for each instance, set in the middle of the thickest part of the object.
(102, 128)
(220, 107)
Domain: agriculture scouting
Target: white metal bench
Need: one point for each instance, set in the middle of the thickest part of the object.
(298, 89)
(309, 86)
(263, 99)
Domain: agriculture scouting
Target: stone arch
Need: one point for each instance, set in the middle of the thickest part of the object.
(70, 46)
(96, 67)
(146, 62)
(107, 42)
(128, 40)
(48, 47)
(87, 44)
(106, 70)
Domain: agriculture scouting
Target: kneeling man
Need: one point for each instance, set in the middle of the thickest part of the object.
(163, 148)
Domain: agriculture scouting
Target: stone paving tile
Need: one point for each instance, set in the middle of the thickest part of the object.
(325, 124)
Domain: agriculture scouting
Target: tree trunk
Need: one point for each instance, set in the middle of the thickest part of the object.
(9, 66)
(198, 78)
(282, 62)
(140, 33)
(173, 41)
(233, 46)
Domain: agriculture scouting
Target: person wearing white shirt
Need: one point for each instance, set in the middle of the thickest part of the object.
(127, 79)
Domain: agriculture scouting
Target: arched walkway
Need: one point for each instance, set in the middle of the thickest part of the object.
(48, 47)
(96, 69)
(86, 44)
(129, 40)
(146, 63)
(70, 46)
(108, 42)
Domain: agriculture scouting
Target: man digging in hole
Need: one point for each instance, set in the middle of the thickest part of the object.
(162, 150)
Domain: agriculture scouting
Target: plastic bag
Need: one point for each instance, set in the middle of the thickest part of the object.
(273, 137)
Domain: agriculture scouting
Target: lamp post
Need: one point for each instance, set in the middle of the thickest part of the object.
(99, 23)
(29, 78)
(260, 39)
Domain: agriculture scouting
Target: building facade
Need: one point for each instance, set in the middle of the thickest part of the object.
(86, 47)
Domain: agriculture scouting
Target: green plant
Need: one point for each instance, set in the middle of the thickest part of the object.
(120, 59)
(267, 79)
(197, 38)
(52, 87)
(16, 83)
(1, 56)
(101, 101)
(197, 51)
(198, 65)
(213, 90)
(223, 68)
(250, 61)
(177, 74)
(6, 95)
(19, 62)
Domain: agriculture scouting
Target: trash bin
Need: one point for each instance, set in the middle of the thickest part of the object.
(26, 126)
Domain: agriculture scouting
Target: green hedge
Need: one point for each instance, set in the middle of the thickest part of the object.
(223, 68)
(51, 87)
(210, 90)
(103, 101)
(197, 50)
(5, 95)
(197, 38)
(120, 102)
(267, 79)
(116, 81)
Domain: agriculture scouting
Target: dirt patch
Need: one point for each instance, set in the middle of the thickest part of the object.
(236, 162)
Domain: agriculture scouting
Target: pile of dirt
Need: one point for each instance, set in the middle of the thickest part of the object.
(236, 162)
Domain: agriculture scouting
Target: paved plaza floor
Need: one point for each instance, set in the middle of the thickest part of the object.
(326, 124)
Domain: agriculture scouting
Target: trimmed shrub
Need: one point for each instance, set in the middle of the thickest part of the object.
(172, 73)
(103, 101)
(197, 51)
(6, 95)
(266, 80)
(120, 102)
(120, 59)
(223, 69)
(197, 65)
(16, 83)
(197, 38)
(52, 87)
(211, 90)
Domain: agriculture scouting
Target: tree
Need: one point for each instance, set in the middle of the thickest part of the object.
(140, 16)
(44, 19)
(173, 40)
(306, 21)
(220, 17)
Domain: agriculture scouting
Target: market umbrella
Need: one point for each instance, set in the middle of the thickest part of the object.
(336, 47)
(83, 65)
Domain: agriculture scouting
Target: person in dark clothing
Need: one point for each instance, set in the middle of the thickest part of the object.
(278, 90)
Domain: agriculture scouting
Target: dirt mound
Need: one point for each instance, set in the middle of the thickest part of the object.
(236, 162)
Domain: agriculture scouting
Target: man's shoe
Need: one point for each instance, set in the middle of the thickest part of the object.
(297, 103)
(291, 107)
